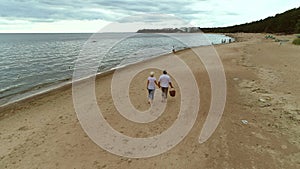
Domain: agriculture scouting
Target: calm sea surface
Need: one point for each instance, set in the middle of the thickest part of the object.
(31, 63)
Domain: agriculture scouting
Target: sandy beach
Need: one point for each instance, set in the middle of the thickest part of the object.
(263, 91)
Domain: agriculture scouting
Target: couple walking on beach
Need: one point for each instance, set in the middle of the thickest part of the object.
(164, 82)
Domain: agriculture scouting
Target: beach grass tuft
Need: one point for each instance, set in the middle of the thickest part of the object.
(296, 41)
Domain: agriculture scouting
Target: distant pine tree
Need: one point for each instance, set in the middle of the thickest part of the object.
(297, 29)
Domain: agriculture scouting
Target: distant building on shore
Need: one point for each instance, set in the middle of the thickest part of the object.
(171, 30)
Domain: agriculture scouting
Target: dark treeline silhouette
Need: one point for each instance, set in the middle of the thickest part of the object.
(287, 23)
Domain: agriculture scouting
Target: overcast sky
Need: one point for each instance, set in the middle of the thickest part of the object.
(95, 15)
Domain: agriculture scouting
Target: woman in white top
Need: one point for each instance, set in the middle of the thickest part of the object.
(151, 82)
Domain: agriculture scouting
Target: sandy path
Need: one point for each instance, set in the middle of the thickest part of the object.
(262, 80)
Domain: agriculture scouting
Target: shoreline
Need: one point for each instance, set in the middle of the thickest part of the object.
(68, 82)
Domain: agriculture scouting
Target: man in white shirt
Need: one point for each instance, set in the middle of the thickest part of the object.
(164, 82)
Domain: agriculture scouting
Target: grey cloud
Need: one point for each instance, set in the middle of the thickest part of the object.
(165, 7)
(231, 13)
(48, 11)
(151, 18)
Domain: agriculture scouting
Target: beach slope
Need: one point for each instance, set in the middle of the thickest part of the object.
(259, 127)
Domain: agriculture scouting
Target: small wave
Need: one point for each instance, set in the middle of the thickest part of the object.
(10, 88)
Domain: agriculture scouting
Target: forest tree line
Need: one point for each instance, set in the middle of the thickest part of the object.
(287, 23)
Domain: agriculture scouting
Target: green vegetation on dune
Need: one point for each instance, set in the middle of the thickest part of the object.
(287, 23)
(296, 41)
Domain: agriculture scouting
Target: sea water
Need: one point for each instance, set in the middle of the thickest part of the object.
(31, 63)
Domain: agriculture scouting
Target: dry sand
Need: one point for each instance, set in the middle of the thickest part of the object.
(262, 88)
